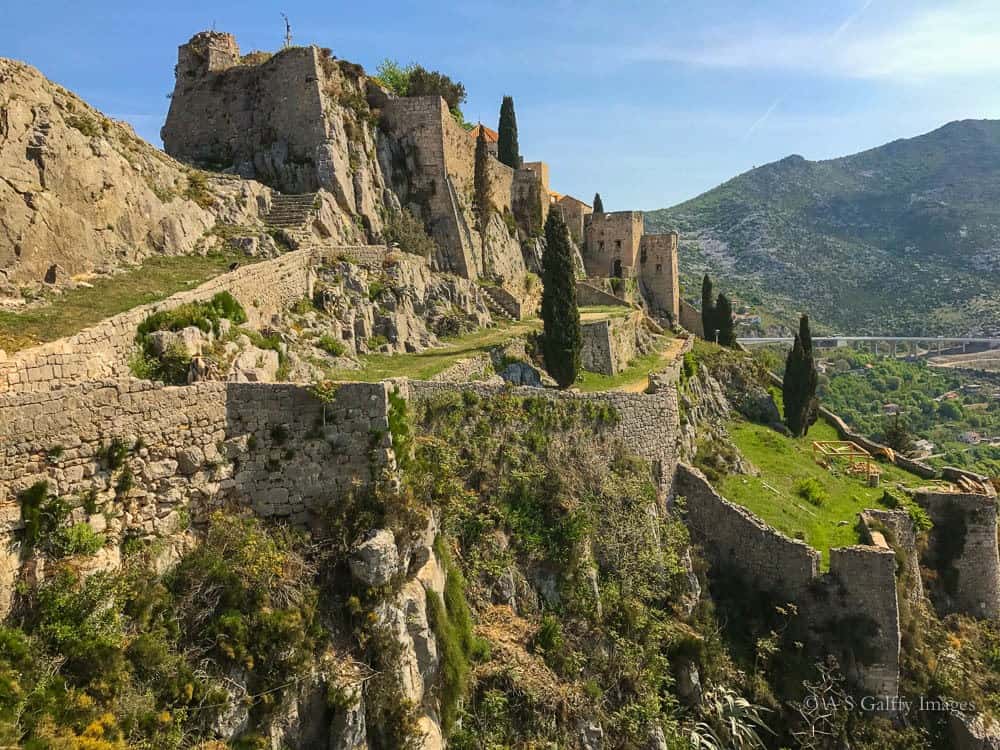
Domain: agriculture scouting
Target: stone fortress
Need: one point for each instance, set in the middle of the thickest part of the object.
(304, 123)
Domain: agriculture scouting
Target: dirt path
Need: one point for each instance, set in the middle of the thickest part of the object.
(669, 354)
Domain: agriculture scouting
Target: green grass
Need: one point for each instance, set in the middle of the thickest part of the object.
(427, 364)
(638, 370)
(76, 309)
(785, 464)
(591, 313)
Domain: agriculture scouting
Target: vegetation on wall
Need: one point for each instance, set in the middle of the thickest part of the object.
(407, 232)
(416, 80)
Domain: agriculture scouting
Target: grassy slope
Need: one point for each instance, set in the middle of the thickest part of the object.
(880, 241)
(76, 309)
(426, 364)
(783, 462)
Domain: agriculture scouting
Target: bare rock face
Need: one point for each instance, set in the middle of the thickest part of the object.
(376, 560)
(80, 192)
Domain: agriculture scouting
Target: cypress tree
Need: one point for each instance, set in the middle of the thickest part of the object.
(507, 149)
(482, 181)
(801, 379)
(707, 309)
(724, 321)
(598, 204)
(561, 339)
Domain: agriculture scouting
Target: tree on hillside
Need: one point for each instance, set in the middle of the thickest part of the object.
(598, 204)
(507, 149)
(561, 338)
(707, 309)
(481, 200)
(799, 387)
(416, 80)
(724, 321)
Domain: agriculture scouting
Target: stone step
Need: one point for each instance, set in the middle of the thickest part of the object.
(290, 211)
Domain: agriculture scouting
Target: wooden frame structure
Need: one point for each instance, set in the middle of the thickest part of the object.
(857, 460)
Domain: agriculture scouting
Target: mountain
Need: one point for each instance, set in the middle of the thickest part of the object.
(903, 238)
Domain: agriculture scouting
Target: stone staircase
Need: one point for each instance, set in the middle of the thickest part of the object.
(496, 309)
(291, 212)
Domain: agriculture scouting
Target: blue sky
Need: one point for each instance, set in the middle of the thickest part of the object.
(650, 102)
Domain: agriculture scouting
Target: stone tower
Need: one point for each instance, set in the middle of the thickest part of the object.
(207, 52)
(658, 274)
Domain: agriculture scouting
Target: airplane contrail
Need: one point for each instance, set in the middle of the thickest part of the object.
(837, 33)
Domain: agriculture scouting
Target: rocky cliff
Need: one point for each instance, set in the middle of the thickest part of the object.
(80, 192)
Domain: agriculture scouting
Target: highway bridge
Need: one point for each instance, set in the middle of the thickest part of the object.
(930, 343)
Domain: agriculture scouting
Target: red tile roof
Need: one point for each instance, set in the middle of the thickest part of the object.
(491, 135)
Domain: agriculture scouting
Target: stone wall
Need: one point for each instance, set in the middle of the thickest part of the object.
(298, 121)
(647, 424)
(430, 161)
(735, 538)
(103, 351)
(185, 451)
(859, 591)
(609, 345)
(690, 318)
(963, 548)
(588, 294)
(658, 273)
(902, 536)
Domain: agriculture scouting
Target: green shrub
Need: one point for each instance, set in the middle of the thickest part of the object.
(202, 315)
(79, 539)
(810, 490)
(407, 232)
(331, 345)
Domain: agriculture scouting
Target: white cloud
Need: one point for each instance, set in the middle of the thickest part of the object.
(960, 40)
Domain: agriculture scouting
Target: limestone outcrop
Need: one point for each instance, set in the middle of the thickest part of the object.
(80, 192)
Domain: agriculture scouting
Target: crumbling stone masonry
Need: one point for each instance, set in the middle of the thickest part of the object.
(609, 345)
(963, 546)
(854, 606)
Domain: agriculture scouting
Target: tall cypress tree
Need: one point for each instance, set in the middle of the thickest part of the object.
(507, 149)
(707, 309)
(561, 339)
(801, 379)
(724, 321)
(598, 204)
(482, 180)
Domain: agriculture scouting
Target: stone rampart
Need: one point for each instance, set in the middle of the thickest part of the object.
(262, 444)
(903, 539)
(137, 459)
(690, 318)
(963, 550)
(609, 345)
(852, 609)
(647, 424)
(735, 538)
(103, 351)
(588, 294)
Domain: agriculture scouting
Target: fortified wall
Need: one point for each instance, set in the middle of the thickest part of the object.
(963, 548)
(616, 245)
(431, 160)
(854, 605)
(133, 458)
(297, 120)
(610, 344)
(647, 424)
(103, 351)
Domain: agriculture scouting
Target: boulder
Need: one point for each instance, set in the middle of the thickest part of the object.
(253, 365)
(376, 560)
(521, 373)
